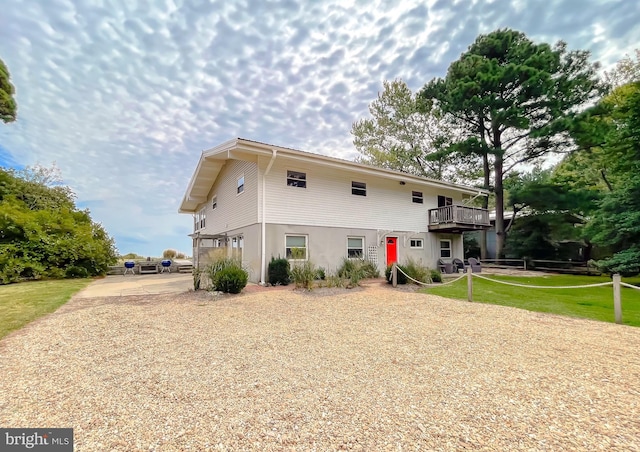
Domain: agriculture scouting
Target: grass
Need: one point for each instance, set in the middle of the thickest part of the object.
(594, 303)
(24, 302)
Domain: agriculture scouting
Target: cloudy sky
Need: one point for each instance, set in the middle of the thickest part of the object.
(125, 94)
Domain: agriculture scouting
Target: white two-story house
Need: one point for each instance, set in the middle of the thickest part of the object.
(259, 201)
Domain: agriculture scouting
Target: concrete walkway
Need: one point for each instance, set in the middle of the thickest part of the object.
(116, 286)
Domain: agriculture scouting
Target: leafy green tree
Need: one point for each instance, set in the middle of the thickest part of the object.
(404, 136)
(617, 222)
(548, 215)
(43, 234)
(513, 101)
(8, 105)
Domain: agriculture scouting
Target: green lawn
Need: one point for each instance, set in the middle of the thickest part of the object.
(592, 303)
(24, 302)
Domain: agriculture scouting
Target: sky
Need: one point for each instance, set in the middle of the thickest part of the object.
(124, 95)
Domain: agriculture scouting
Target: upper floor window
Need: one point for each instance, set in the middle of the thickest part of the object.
(214, 203)
(444, 201)
(416, 196)
(241, 184)
(359, 188)
(200, 220)
(296, 179)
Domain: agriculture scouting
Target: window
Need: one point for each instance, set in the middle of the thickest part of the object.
(416, 243)
(200, 220)
(214, 203)
(241, 184)
(359, 188)
(445, 248)
(444, 201)
(296, 247)
(416, 196)
(296, 179)
(355, 247)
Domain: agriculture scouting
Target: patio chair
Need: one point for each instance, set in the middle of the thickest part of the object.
(445, 267)
(458, 265)
(475, 265)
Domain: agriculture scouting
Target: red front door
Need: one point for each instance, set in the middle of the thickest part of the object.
(392, 250)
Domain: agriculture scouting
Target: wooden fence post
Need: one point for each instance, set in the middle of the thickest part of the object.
(617, 302)
(394, 275)
(469, 283)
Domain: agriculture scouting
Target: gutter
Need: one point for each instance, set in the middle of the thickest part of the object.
(263, 240)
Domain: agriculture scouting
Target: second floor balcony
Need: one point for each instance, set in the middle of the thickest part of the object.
(457, 219)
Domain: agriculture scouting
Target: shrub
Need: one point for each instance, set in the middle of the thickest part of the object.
(197, 278)
(626, 262)
(333, 280)
(320, 274)
(436, 276)
(56, 273)
(230, 279)
(32, 270)
(169, 254)
(303, 274)
(219, 265)
(356, 269)
(75, 271)
(131, 256)
(417, 271)
(11, 272)
(279, 271)
(370, 269)
(227, 275)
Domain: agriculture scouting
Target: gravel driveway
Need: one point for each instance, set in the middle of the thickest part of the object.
(369, 369)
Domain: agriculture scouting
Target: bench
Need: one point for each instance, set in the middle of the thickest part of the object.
(148, 268)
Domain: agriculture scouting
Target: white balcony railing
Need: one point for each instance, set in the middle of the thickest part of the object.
(459, 215)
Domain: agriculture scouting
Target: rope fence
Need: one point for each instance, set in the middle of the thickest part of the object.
(630, 286)
(529, 286)
(423, 283)
(616, 283)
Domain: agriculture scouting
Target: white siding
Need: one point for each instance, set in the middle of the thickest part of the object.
(327, 200)
(233, 210)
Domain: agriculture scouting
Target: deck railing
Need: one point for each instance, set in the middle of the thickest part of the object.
(459, 215)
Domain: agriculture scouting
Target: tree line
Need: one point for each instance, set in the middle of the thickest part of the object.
(42, 232)
(507, 102)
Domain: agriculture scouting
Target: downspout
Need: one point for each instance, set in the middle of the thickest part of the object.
(263, 241)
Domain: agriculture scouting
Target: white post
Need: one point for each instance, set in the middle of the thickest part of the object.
(617, 303)
(394, 275)
(263, 226)
(469, 283)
